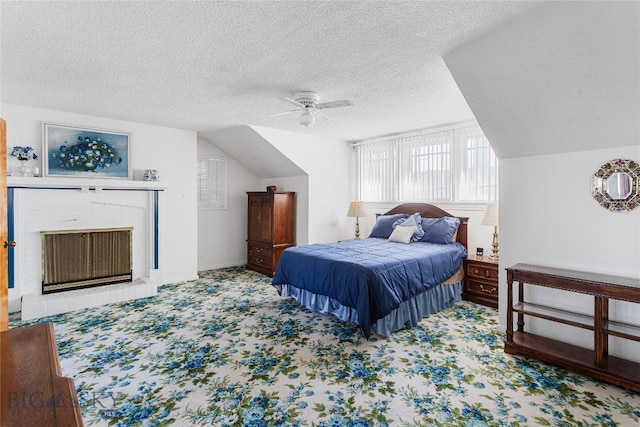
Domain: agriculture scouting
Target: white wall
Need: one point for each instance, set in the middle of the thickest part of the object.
(548, 217)
(172, 152)
(327, 164)
(222, 234)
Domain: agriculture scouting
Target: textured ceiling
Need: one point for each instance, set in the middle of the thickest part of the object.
(207, 66)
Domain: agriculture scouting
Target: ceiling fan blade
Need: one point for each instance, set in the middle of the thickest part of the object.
(334, 104)
(294, 102)
(284, 112)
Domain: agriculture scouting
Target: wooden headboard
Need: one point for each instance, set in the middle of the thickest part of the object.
(429, 211)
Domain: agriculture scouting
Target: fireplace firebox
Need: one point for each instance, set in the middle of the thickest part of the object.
(76, 259)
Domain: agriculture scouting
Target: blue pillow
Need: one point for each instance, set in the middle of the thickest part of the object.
(412, 221)
(384, 225)
(439, 230)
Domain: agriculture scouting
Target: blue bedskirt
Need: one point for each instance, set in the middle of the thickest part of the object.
(407, 315)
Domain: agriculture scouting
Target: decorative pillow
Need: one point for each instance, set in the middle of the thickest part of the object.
(412, 221)
(385, 224)
(403, 234)
(439, 230)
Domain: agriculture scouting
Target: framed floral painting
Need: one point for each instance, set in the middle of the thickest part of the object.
(89, 153)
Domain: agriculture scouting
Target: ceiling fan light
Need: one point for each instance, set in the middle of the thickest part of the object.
(306, 118)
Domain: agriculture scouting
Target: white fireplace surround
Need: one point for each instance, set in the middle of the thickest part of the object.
(54, 204)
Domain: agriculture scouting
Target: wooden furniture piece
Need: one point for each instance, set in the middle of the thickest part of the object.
(481, 281)
(33, 391)
(596, 362)
(4, 236)
(271, 229)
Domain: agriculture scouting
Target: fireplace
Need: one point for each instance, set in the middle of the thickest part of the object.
(38, 207)
(77, 259)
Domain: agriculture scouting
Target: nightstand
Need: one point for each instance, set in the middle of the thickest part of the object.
(481, 281)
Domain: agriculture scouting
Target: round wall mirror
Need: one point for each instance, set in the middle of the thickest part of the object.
(615, 185)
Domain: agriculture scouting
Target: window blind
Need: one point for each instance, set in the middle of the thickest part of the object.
(425, 171)
(456, 164)
(378, 172)
(479, 169)
(212, 183)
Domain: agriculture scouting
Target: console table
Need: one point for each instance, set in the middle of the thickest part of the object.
(595, 362)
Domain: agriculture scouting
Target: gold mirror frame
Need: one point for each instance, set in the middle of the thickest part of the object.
(626, 173)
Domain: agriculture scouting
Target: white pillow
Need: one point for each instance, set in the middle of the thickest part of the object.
(402, 234)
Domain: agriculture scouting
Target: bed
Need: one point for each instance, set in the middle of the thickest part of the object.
(382, 283)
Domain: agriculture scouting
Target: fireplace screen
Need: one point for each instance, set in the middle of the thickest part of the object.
(84, 258)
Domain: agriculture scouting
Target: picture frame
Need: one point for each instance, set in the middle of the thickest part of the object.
(82, 152)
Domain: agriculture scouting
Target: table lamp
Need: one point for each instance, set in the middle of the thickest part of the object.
(490, 217)
(357, 209)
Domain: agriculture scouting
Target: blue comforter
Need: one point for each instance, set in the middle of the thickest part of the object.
(371, 275)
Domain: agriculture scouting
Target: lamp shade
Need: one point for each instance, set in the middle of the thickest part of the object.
(490, 216)
(357, 209)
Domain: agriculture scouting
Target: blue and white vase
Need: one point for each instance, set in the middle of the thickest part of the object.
(24, 168)
(151, 175)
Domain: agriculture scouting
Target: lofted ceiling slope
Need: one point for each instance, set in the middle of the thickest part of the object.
(564, 77)
(248, 147)
(540, 77)
(213, 65)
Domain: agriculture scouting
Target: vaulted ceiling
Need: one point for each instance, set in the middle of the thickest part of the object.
(211, 66)
(561, 78)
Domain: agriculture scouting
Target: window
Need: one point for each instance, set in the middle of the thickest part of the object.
(212, 183)
(451, 165)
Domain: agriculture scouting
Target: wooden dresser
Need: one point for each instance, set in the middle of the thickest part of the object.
(34, 393)
(271, 228)
(481, 281)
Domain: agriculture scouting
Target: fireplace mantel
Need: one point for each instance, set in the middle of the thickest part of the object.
(69, 183)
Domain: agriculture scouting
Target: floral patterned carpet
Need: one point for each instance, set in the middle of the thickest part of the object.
(226, 350)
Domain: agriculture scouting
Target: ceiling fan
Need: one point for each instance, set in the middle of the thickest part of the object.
(308, 104)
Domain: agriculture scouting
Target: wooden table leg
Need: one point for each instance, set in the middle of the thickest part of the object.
(520, 301)
(600, 340)
(509, 307)
(605, 319)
